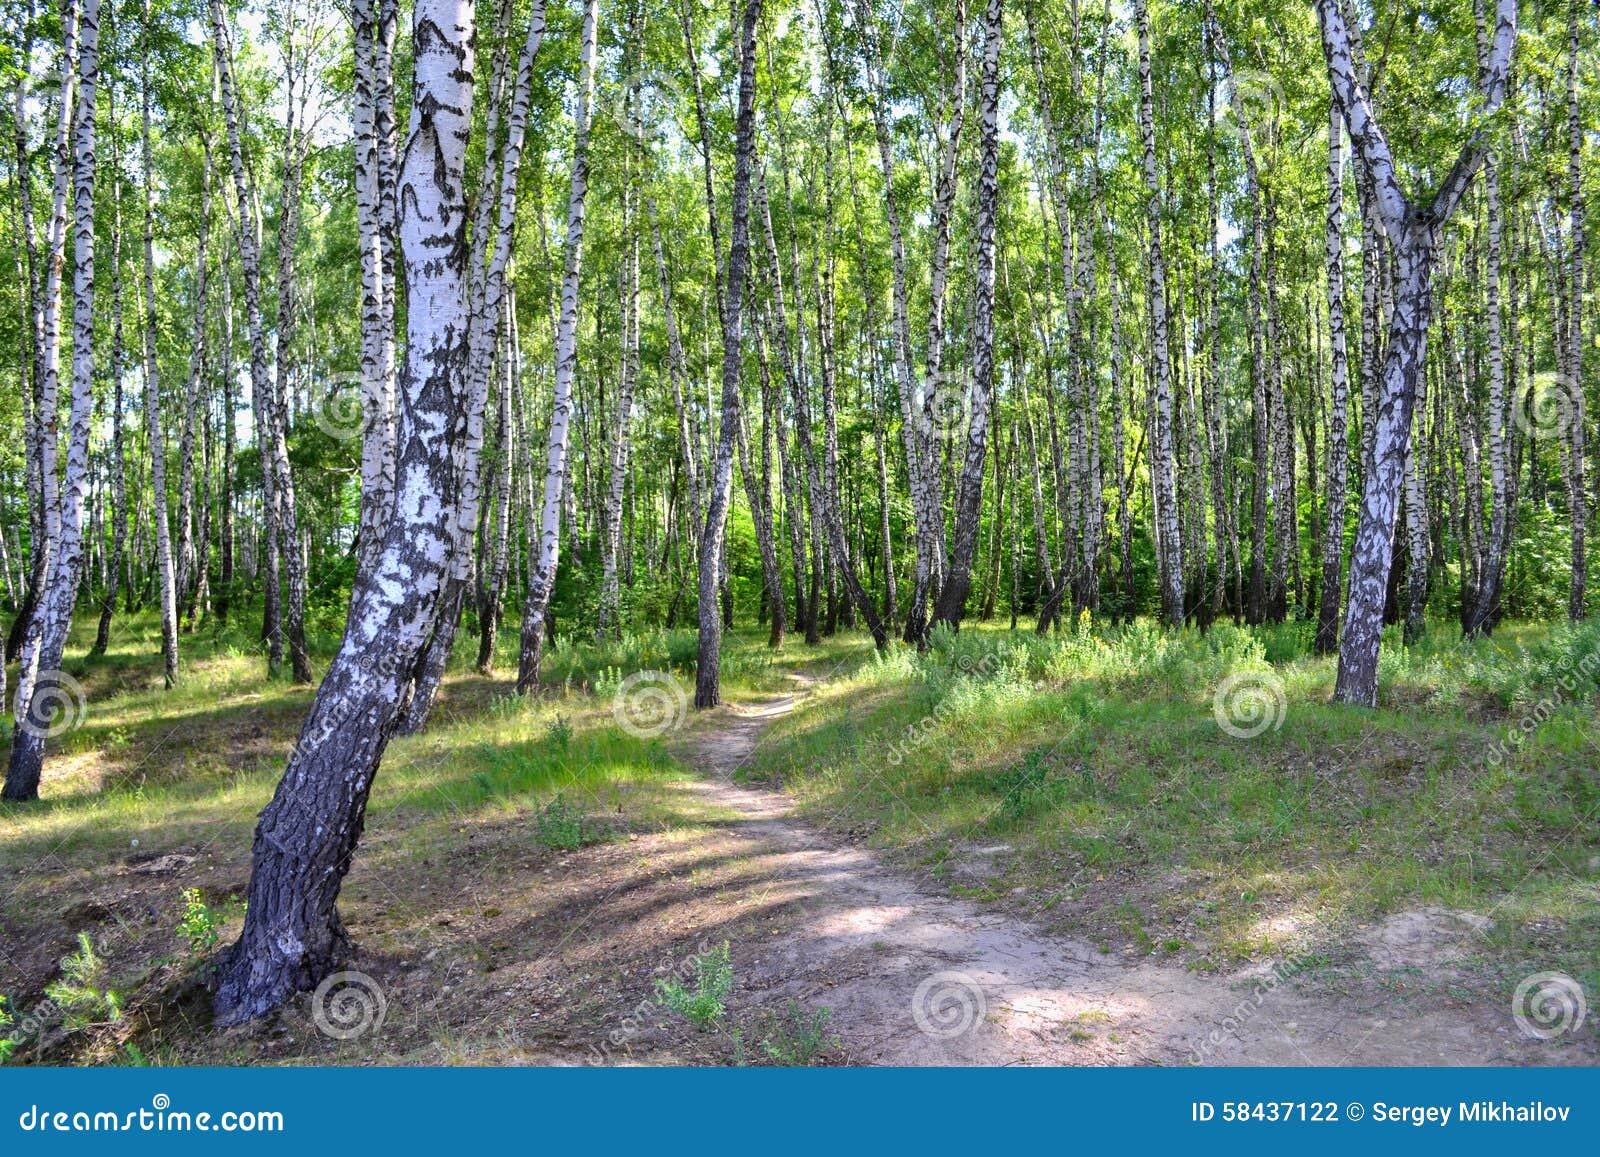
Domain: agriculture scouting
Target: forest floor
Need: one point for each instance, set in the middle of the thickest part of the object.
(533, 870)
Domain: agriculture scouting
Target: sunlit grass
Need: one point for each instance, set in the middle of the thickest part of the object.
(1095, 760)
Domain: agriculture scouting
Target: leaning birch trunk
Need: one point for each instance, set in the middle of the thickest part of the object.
(537, 603)
(1163, 476)
(39, 680)
(1413, 231)
(307, 835)
(708, 691)
(1327, 640)
(154, 430)
(969, 489)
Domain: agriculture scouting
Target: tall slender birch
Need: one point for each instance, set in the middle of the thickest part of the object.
(1162, 468)
(39, 676)
(708, 690)
(537, 604)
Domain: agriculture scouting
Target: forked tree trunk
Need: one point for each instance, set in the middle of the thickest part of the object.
(307, 835)
(493, 220)
(1413, 230)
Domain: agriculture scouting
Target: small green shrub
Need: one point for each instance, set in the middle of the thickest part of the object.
(703, 1004)
(562, 826)
(799, 1038)
(7, 1044)
(84, 993)
(559, 735)
(201, 924)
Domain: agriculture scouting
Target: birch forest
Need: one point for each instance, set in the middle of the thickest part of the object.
(381, 370)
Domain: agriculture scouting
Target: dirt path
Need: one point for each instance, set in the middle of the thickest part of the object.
(915, 977)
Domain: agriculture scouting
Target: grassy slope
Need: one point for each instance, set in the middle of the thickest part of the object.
(1086, 780)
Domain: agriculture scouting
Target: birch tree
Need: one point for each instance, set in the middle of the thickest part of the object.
(1413, 228)
(307, 835)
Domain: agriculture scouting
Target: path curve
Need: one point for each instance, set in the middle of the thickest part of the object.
(914, 977)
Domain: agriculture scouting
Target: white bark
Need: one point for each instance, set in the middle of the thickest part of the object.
(566, 342)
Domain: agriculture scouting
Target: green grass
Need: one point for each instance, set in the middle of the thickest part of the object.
(1083, 778)
(149, 772)
(1087, 774)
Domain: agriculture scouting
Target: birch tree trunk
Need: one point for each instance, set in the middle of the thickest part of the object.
(708, 690)
(916, 404)
(537, 604)
(1413, 230)
(493, 568)
(1577, 491)
(189, 561)
(608, 623)
(969, 492)
(39, 689)
(1163, 476)
(1327, 639)
(119, 471)
(154, 428)
(261, 390)
(377, 305)
(43, 428)
(486, 287)
(307, 835)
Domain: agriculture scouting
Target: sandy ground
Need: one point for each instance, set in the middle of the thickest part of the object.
(918, 978)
